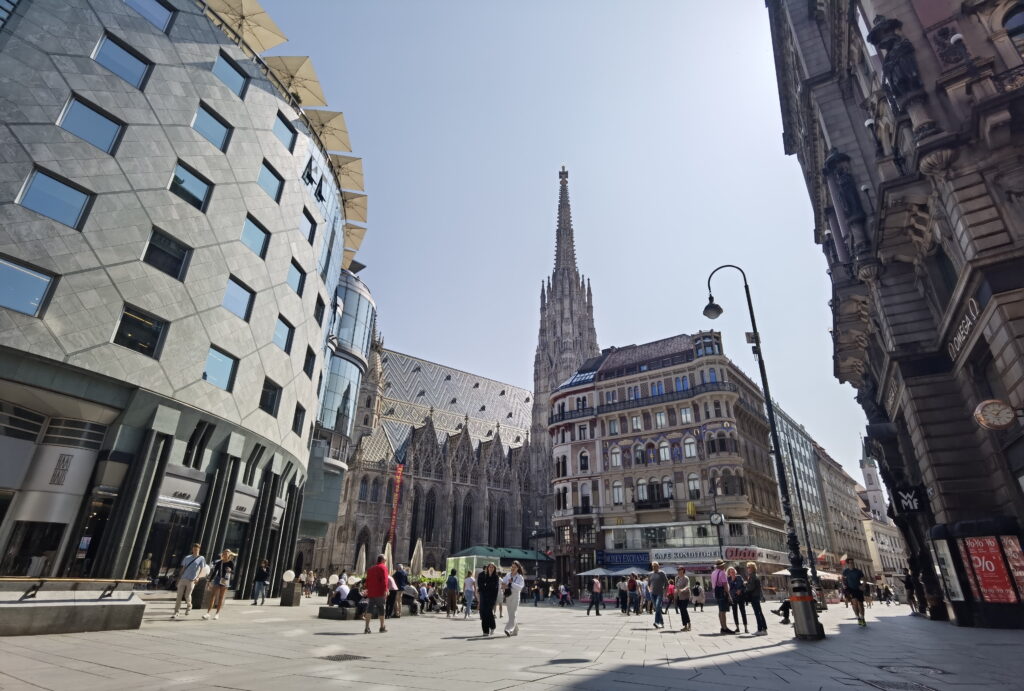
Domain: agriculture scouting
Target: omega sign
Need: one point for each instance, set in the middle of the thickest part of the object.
(964, 328)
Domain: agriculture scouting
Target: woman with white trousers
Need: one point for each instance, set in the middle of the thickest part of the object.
(514, 582)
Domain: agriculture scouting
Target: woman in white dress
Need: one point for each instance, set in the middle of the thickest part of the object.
(513, 584)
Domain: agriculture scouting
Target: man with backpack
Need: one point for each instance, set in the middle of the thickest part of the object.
(188, 575)
(853, 582)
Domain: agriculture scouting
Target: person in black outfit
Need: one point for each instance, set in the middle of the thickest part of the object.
(401, 580)
(260, 582)
(487, 584)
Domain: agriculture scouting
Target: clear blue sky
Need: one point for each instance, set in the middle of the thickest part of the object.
(666, 114)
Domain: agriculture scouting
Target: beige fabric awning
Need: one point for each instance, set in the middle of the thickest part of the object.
(355, 206)
(330, 126)
(346, 259)
(349, 171)
(250, 22)
(354, 236)
(298, 77)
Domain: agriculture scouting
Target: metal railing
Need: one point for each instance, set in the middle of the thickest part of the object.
(647, 504)
(1010, 80)
(570, 415)
(668, 397)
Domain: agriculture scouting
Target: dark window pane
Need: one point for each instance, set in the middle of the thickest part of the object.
(121, 62)
(140, 332)
(238, 298)
(190, 187)
(318, 311)
(231, 75)
(299, 419)
(216, 131)
(308, 226)
(53, 198)
(283, 332)
(254, 237)
(270, 181)
(154, 11)
(220, 369)
(284, 131)
(23, 289)
(270, 397)
(167, 254)
(92, 126)
(310, 364)
(296, 277)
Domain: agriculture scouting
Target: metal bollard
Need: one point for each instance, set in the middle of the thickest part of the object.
(805, 619)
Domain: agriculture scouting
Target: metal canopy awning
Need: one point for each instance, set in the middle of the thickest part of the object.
(349, 171)
(297, 76)
(250, 22)
(330, 126)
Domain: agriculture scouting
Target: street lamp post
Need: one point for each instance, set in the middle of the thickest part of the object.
(805, 618)
(807, 534)
(716, 518)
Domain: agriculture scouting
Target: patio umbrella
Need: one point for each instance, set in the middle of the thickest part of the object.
(330, 126)
(387, 556)
(416, 563)
(250, 22)
(346, 258)
(361, 560)
(355, 206)
(596, 572)
(354, 236)
(298, 77)
(349, 171)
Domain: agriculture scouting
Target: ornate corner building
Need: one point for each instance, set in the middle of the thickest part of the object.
(173, 226)
(906, 118)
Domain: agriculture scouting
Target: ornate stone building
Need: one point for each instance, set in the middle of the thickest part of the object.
(566, 339)
(842, 515)
(461, 442)
(906, 117)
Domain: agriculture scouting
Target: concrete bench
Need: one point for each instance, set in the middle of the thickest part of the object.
(343, 613)
(34, 606)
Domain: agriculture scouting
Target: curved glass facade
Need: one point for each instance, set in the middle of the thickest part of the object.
(340, 395)
(354, 330)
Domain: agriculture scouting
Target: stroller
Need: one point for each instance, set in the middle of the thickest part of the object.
(436, 602)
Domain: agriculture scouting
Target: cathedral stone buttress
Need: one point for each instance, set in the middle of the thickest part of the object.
(566, 339)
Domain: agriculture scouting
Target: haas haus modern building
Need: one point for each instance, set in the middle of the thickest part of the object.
(173, 230)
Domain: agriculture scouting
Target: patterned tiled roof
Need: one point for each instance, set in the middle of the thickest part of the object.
(645, 352)
(416, 389)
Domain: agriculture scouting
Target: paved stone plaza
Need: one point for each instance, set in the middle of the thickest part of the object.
(272, 647)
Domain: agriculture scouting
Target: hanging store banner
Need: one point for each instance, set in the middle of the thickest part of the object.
(394, 502)
(990, 569)
(620, 559)
(911, 499)
(946, 570)
(972, 581)
(1014, 555)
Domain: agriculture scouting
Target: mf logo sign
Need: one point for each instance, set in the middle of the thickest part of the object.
(911, 499)
(60, 470)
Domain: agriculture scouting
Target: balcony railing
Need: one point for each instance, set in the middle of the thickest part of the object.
(647, 504)
(668, 397)
(582, 510)
(570, 415)
(1010, 80)
(752, 410)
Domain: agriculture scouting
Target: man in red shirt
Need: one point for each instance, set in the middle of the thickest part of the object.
(377, 592)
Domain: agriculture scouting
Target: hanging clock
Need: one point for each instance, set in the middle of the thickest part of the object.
(994, 414)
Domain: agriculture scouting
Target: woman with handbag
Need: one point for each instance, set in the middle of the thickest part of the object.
(220, 580)
(514, 584)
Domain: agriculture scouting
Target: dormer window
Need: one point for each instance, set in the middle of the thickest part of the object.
(1014, 25)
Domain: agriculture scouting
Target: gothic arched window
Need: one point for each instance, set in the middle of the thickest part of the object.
(617, 493)
(375, 491)
(712, 375)
(654, 489)
(364, 489)
(584, 461)
(638, 454)
(467, 521)
(429, 516)
(718, 409)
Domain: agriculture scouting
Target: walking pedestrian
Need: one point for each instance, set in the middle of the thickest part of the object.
(451, 594)
(697, 595)
(623, 594)
(752, 594)
(633, 590)
(595, 596)
(469, 592)
(683, 597)
(514, 584)
(535, 591)
(376, 583)
(657, 584)
(402, 581)
(853, 581)
(720, 583)
(220, 580)
(260, 582)
(501, 597)
(188, 575)
(739, 607)
(488, 584)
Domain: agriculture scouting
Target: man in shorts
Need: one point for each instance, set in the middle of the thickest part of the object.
(377, 593)
(720, 582)
(853, 582)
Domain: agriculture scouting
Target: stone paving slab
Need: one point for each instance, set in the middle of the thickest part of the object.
(272, 647)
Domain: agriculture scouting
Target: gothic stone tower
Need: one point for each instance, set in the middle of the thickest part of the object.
(567, 338)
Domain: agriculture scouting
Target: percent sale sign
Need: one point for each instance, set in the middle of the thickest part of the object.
(988, 565)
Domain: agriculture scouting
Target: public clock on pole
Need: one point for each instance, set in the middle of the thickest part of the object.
(717, 519)
(994, 414)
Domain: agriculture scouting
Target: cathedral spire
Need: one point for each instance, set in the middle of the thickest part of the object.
(565, 245)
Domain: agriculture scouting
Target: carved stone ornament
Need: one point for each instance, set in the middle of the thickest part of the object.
(837, 167)
(949, 53)
(936, 163)
(900, 75)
